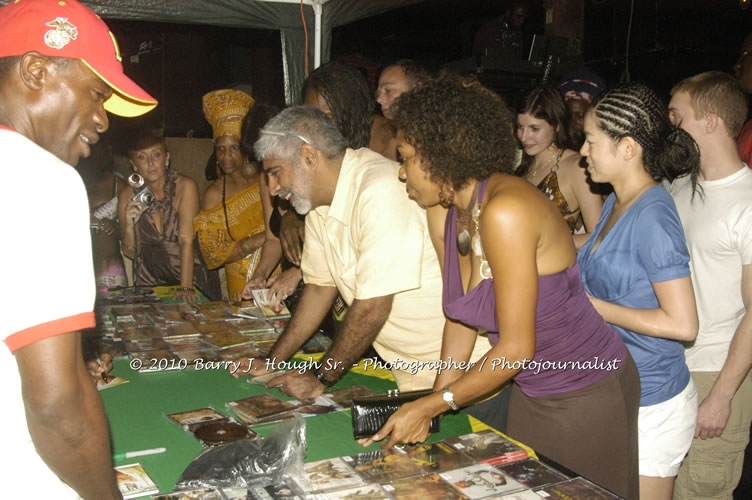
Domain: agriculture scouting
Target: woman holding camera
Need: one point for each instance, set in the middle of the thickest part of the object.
(156, 223)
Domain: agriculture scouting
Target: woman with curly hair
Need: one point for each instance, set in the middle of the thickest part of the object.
(550, 163)
(509, 269)
(636, 267)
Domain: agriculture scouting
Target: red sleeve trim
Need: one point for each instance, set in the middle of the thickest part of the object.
(50, 329)
(3, 127)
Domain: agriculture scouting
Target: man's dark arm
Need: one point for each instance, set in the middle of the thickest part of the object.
(65, 415)
(314, 304)
(363, 322)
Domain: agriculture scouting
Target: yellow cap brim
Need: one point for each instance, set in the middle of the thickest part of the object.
(122, 106)
(121, 103)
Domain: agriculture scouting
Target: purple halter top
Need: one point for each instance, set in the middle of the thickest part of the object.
(574, 346)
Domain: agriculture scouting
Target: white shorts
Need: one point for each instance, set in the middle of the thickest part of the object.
(665, 433)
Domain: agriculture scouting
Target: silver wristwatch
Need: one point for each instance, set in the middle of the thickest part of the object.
(448, 397)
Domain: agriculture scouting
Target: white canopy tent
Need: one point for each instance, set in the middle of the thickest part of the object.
(321, 16)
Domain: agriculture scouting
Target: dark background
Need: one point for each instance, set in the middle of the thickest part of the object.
(670, 39)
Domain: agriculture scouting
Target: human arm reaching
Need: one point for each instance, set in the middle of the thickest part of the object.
(510, 243)
(363, 322)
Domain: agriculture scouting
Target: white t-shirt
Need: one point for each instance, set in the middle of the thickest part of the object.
(47, 275)
(718, 228)
(373, 241)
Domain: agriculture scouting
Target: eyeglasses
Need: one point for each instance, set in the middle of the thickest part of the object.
(285, 134)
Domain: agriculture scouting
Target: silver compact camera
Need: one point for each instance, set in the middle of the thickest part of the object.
(143, 197)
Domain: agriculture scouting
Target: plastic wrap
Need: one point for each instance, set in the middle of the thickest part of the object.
(247, 463)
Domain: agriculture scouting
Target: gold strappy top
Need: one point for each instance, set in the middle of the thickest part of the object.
(550, 187)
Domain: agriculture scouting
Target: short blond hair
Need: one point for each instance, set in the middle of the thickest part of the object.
(716, 92)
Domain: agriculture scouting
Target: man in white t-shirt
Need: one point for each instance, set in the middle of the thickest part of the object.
(717, 222)
(59, 71)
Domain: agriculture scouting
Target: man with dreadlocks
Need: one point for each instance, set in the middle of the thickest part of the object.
(342, 93)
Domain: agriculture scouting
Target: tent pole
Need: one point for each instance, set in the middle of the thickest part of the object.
(317, 10)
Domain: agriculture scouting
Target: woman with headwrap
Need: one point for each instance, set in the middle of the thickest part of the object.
(231, 225)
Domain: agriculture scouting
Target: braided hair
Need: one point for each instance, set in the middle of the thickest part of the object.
(347, 94)
(634, 110)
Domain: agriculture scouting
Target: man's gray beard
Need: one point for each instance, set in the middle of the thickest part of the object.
(301, 205)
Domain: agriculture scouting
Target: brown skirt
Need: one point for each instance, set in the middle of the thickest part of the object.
(592, 431)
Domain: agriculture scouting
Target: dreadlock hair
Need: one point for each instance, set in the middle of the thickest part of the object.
(546, 103)
(634, 110)
(347, 94)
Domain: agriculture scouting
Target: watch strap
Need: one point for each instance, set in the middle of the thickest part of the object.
(321, 377)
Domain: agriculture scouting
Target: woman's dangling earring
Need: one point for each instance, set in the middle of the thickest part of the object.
(135, 180)
(446, 200)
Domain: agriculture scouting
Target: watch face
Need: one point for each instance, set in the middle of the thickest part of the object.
(448, 397)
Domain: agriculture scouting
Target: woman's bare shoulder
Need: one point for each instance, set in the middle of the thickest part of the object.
(212, 195)
(185, 182)
(514, 199)
(505, 186)
(571, 164)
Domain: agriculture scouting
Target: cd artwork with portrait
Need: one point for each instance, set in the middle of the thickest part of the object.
(215, 433)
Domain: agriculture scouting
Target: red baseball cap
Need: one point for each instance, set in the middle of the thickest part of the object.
(67, 28)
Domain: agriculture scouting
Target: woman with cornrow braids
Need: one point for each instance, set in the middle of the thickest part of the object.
(635, 267)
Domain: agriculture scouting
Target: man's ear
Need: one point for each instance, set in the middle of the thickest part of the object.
(710, 122)
(34, 70)
(309, 156)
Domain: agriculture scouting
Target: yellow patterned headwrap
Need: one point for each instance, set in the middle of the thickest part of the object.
(225, 109)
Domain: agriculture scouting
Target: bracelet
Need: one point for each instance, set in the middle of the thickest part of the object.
(322, 378)
(186, 288)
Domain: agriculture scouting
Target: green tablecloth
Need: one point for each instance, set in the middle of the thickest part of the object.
(136, 415)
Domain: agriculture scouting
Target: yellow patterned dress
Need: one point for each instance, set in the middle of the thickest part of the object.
(220, 228)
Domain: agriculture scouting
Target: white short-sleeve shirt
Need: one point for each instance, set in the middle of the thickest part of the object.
(47, 274)
(373, 241)
(718, 229)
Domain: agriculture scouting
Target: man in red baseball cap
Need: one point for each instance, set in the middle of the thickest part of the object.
(60, 70)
